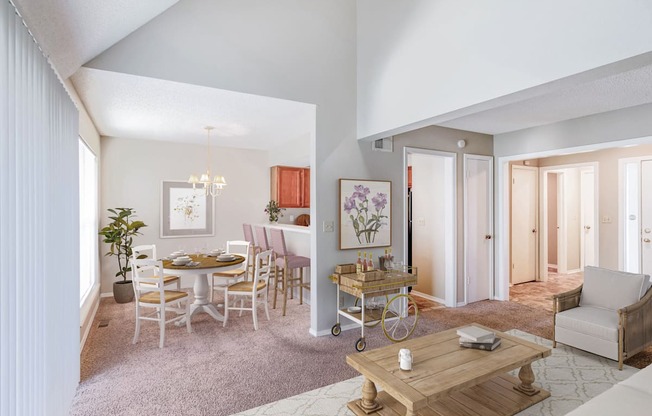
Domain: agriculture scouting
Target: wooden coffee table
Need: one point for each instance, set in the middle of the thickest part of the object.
(447, 379)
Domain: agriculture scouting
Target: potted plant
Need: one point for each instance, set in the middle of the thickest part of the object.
(273, 211)
(119, 234)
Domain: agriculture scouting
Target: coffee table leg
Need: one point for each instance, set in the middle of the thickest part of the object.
(369, 393)
(527, 378)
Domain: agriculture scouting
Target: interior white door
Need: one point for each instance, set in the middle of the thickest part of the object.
(587, 186)
(646, 216)
(524, 223)
(478, 218)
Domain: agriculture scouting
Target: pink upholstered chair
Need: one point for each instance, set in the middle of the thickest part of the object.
(253, 248)
(287, 262)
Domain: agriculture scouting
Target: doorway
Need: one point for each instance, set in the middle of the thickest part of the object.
(635, 211)
(431, 223)
(568, 218)
(478, 228)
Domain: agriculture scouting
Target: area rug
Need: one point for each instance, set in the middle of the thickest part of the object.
(571, 376)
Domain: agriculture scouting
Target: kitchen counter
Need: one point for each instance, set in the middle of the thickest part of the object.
(288, 227)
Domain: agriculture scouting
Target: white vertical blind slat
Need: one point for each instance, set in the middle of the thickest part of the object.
(39, 229)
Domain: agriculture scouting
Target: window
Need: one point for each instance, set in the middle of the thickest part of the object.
(88, 224)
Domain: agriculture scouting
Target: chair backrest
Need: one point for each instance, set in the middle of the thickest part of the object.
(248, 234)
(144, 251)
(147, 250)
(278, 242)
(147, 275)
(261, 237)
(263, 267)
(241, 248)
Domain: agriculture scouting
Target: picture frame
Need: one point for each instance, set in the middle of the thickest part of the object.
(365, 213)
(185, 212)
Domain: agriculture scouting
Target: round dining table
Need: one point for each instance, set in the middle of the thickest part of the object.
(207, 266)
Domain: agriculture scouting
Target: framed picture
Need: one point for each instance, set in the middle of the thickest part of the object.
(185, 212)
(365, 213)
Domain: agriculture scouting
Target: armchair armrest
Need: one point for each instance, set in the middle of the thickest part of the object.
(566, 300)
(636, 325)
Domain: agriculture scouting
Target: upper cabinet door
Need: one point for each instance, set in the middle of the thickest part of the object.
(306, 188)
(287, 186)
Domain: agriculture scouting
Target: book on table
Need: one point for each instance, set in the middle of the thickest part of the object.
(475, 334)
(487, 346)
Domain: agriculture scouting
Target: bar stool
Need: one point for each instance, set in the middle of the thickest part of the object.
(254, 249)
(288, 262)
(261, 238)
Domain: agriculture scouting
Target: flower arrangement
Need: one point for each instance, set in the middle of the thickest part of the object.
(365, 223)
(273, 211)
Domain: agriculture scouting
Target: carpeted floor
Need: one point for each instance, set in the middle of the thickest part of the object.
(221, 371)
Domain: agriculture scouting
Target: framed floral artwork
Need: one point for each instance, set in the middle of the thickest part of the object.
(185, 212)
(365, 213)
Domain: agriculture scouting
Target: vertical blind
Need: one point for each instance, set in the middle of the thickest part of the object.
(39, 229)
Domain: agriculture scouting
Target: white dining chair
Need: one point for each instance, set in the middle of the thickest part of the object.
(222, 279)
(150, 293)
(253, 291)
(148, 251)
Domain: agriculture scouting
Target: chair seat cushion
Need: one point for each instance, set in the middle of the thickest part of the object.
(166, 280)
(155, 297)
(246, 286)
(293, 262)
(230, 273)
(588, 320)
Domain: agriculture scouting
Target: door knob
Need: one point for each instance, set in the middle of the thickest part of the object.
(646, 240)
(647, 231)
(487, 237)
(534, 230)
(587, 227)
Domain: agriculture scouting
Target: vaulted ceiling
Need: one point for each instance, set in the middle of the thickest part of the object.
(74, 32)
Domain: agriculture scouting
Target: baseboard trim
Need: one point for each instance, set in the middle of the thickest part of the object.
(106, 295)
(428, 297)
(90, 320)
(325, 332)
(573, 271)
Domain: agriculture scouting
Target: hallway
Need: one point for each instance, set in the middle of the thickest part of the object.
(539, 294)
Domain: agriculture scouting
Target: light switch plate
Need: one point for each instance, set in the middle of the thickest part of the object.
(606, 219)
(329, 226)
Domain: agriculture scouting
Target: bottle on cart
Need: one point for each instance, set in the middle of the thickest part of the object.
(358, 264)
(370, 266)
(364, 262)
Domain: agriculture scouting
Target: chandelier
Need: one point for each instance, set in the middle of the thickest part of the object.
(214, 186)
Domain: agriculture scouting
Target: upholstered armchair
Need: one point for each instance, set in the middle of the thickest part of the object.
(609, 315)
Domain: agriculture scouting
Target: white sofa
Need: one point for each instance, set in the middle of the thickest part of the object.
(631, 397)
(609, 315)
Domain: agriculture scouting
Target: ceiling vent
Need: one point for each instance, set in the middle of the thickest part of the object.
(383, 145)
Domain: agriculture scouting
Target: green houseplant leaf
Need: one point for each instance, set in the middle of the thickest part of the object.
(119, 234)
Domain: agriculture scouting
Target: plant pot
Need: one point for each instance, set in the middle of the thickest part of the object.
(123, 291)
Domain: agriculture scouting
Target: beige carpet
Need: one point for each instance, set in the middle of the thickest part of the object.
(221, 371)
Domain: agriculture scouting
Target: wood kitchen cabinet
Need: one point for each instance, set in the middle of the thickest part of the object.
(290, 186)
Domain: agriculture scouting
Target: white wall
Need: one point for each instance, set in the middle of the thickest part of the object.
(290, 49)
(430, 58)
(132, 171)
(429, 223)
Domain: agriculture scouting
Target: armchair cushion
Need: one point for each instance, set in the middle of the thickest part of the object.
(589, 320)
(612, 289)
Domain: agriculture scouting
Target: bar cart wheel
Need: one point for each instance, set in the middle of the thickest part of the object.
(400, 317)
(360, 344)
(336, 330)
